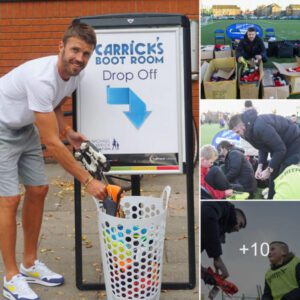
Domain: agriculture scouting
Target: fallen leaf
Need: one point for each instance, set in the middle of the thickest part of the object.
(44, 250)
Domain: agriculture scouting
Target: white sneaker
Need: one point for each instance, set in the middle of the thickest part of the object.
(39, 273)
(18, 289)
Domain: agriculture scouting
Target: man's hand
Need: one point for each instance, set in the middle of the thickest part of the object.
(75, 138)
(265, 174)
(228, 193)
(258, 57)
(97, 189)
(206, 277)
(220, 267)
(240, 59)
(258, 172)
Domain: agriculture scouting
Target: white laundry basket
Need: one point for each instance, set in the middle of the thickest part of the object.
(132, 248)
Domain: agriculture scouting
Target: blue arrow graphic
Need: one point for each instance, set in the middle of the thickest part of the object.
(137, 113)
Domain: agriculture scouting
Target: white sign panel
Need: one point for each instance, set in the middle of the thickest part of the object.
(130, 99)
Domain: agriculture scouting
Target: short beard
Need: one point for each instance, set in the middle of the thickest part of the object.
(66, 66)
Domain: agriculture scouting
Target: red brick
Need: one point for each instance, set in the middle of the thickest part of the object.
(31, 29)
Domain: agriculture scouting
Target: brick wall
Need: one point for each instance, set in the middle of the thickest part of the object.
(31, 29)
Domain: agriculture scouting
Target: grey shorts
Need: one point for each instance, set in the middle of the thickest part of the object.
(21, 160)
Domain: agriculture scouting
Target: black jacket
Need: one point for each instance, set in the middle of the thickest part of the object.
(249, 49)
(217, 218)
(239, 170)
(270, 134)
(292, 295)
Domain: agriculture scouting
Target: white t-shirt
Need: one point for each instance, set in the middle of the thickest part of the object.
(34, 86)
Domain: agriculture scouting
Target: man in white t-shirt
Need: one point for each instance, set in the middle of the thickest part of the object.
(34, 93)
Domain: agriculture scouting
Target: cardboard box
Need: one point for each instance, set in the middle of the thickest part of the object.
(250, 90)
(207, 52)
(224, 53)
(204, 66)
(222, 89)
(269, 90)
(292, 78)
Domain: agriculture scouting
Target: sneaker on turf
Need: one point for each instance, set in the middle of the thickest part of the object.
(39, 273)
(18, 289)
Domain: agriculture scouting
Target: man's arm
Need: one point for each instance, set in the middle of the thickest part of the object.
(73, 137)
(263, 157)
(60, 116)
(48, 128)
(273, 141)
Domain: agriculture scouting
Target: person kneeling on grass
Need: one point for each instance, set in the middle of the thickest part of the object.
(282, 280)
(238, 169)
(212, 177)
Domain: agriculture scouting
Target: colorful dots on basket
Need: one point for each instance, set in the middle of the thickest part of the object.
(120, 227)
(133, 251)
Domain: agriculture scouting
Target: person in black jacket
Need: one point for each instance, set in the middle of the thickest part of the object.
(217, 219)
(282, 280)
(251, 46)
(238, 169)
(270, 134)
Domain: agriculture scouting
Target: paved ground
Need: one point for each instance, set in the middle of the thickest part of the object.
(57, 238)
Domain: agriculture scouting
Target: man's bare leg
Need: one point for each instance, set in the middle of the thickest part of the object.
(8, 234)
(32, 216)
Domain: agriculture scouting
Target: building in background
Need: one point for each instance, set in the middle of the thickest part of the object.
(32, 29)
(225, 10)
(268, 10)
(293, 10)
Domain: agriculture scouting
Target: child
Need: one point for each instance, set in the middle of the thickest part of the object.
(282, 280)
(212, 178)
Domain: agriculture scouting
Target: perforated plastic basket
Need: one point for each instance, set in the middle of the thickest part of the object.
(132, 248)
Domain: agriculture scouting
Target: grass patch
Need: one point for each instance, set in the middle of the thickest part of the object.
(208, 132)
(284, 29)
(206, 136)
